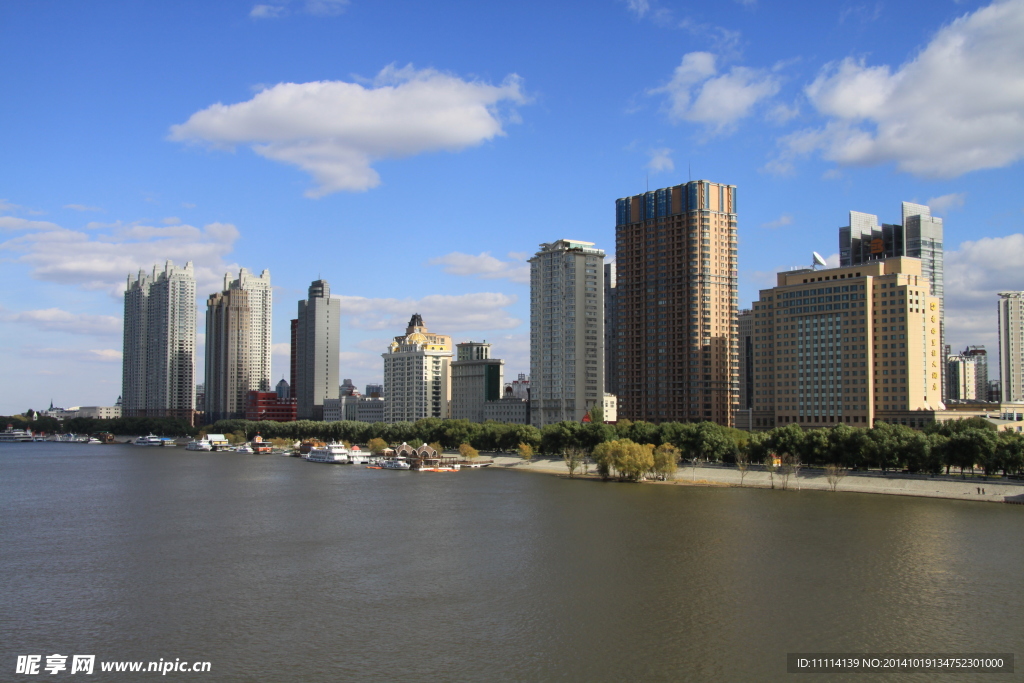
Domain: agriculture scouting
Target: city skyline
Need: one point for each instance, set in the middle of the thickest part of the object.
(134, 153)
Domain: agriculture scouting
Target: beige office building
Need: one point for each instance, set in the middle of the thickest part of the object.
(848, 345)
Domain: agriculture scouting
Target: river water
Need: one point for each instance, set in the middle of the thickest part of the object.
(275, 569)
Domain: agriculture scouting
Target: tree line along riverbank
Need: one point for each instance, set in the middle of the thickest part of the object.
(961, 445)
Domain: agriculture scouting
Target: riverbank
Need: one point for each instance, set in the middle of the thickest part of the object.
(813, 479)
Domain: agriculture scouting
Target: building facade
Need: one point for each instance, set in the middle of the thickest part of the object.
(678, 295)
(370, 409)
(566, 331)
(1011, 346)
(476, 379)
(159, 359)
(611, 302)
(317, 344)
(238, 344)
(417, 374)
(848, 345)
(269, 405)
(967, 375)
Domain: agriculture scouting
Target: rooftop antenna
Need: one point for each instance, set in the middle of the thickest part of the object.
(817, 260)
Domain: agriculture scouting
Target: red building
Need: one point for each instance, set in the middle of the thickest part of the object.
(265, 405)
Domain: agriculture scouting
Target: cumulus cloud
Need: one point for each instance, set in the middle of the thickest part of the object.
(956, 107)
(974, 274)
(58, 320)
(336, 130)
(947, 202)
(661, 160)
(444, 313)
(782, 221)
(485, 266)
(699, 93)
(102, 258)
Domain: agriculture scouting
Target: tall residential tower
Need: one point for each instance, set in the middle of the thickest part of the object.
(158, 366)
(238, 327)
(417, 379)
(677, 289)
(566, 331)
(1011, 346)
(317, 343)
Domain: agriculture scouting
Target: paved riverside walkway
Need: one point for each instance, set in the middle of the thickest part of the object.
(994, 490)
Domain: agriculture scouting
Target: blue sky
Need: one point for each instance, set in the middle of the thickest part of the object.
(414, 154)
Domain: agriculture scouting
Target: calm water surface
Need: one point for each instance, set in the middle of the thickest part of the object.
(275, 569)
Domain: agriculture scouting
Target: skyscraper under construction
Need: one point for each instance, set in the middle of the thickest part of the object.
(677, 291)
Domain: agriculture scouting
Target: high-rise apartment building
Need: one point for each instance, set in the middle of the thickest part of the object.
(850, 344)
(417, 374)
(238, 344)
(677, 345)
(919, 236)
(317, 344)
(611, 310)
(566, 331)
(967, 375)
(158, 366)
(1011, 346)
(476, 379)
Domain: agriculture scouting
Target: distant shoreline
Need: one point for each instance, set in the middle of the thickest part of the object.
(811, 480)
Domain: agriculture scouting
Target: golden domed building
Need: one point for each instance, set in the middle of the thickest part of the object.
(417, 374)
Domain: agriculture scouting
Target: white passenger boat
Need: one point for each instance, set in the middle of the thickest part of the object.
(150, 440)
(93, 441)
(334, 453)
(395, 464)
(199, 445)
(244, 448)
(15, 436)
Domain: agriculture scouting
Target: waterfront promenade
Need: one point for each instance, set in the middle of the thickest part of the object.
(941, 486)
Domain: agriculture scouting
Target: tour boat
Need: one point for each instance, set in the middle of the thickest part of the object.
(244, 448)
(199, 445)
(395, 464)
(15, 436)
(150, 440)
(335, 453)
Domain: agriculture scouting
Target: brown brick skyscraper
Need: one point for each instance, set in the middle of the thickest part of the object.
(675, 252)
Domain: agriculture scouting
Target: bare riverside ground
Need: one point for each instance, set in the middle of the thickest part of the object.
(815, 479)
(276, 569)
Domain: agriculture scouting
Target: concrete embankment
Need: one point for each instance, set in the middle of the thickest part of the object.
(815, 479)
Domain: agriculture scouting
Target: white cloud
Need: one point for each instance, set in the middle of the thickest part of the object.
(947, 202)
(783, 220)
(82, 207)
(336, 130)
(80, 355)
(639, 7)
(956, 107)
(57, 320)
(103, 258)
(661, 160)
(699, 94)
(14, 223)
(445, 314)
(326, 8)
(266, 12)
(485, 266)
(974, 274)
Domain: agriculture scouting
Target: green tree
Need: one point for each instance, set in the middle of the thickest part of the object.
(666, 460)
(377, 445)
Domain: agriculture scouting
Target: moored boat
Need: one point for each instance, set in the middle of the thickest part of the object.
(15, 435)
(334, 453)
(151, 440)
(199, 445)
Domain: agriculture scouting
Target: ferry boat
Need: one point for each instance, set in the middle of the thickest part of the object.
(150, 440)
(394, 464)
(199, 445)
(335, 453)
(244, 448)
(15, 435)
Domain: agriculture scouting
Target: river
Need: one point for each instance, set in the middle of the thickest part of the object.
(275, 569)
